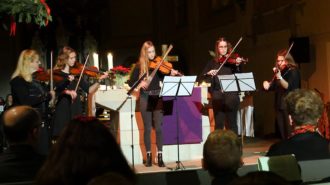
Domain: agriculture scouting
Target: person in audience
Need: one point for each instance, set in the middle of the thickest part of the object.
(110, 178)
(20, 162)
(84, 150)
(260, 178)
(222, 156)
(305, 107)
(9, 102)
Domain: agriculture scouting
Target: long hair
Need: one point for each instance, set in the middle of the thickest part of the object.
(23, 68)
(143, 59)
(63, 57)
(216, 50)
(85, 149)
(288, 58)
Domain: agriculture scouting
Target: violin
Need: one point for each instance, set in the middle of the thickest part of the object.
(164, 68)
(232, 59)
(43, 75)
(90, 71)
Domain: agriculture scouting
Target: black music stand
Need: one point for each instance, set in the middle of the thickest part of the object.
(238, 82)
(174, 86)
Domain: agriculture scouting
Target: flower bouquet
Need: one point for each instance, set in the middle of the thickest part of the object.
(121, 75)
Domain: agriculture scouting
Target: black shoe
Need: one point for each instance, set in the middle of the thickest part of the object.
(160, 160)
(149, 160)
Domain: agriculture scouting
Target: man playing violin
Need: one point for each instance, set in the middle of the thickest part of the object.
(286, 78)
(151, 105)
(69, 103)
(225, 104)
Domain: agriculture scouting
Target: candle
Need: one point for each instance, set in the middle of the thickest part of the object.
(96, 60)
(110, 61)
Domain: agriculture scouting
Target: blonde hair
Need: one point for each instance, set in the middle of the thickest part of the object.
(63, 57)
(143, 59)
(23, 68)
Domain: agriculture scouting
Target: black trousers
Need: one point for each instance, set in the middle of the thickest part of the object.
(225, 107)
(152, 115)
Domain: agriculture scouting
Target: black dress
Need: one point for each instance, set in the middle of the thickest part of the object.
(35, 94)
(225, 104)
(292, 76)
(66, 108)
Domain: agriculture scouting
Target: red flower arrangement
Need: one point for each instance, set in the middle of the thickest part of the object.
(120, 70)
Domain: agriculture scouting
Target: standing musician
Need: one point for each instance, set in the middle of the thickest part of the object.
(26, 90)
(286, 78)
(69, 103)
(151, 104)
(225, 104)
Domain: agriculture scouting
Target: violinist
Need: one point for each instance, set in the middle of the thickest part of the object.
(26, 90)
(286, 78)
(151, 105)
(69, 103)
(225, 104)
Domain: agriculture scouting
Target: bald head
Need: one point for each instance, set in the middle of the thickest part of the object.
(19, 123)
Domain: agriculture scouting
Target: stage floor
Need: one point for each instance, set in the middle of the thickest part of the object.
(252, 149)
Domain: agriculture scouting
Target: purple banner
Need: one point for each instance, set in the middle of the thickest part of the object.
(189, 119)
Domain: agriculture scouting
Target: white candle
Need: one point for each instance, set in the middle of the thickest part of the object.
(96, 60)
(110, 61)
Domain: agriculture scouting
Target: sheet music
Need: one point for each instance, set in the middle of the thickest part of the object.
(171, 85)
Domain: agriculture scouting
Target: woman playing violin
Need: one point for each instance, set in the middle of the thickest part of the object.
(69, 103)
(150, 102)
(26, 90)
(286, 78)
(225, 104)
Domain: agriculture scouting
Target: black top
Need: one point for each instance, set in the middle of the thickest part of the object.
(154, 84)
(305, 146)
(226, 69)
(19, 163)
(224, 179)
(292, 76)
(66, 108)
(34, 94)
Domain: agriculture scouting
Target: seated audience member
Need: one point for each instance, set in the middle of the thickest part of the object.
(84, 150)
(305, 108)
(110, 179)
(260, 178)
(222, 156)
(20, 162)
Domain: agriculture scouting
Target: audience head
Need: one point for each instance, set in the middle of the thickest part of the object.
(20, 124)
(85, 149)
(9, 100)
(260, 178)
(304, 106)
(222, 152)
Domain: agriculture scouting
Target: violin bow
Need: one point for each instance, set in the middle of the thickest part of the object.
(52, 102)
(81, 73)
(287, 53)
(276, 68)
(232, 51)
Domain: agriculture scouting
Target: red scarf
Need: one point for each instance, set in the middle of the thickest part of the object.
(303, 129)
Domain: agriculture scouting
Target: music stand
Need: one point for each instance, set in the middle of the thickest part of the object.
(238, 82)
(174, 86)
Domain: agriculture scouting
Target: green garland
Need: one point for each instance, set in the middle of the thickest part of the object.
(26, 11)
